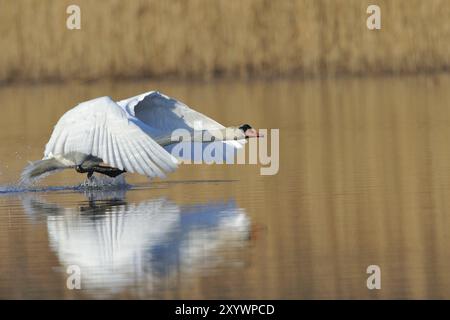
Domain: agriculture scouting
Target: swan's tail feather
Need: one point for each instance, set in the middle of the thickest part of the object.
(39, 169)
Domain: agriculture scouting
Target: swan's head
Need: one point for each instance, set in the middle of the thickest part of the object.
(249, 131)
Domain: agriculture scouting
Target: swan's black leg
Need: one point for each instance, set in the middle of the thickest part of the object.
(110, 172)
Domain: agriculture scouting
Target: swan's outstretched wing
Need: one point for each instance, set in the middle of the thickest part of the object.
(166, 114)
(101, 128)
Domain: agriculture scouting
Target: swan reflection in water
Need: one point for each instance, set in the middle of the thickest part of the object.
(118, 244)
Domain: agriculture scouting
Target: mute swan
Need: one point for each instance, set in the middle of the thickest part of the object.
(127, 136)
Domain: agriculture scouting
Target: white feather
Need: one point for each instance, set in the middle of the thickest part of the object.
(101, 128)
(163, 115)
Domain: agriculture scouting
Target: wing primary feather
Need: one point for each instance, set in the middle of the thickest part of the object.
(164, 160)
(120, 164)
(111, 155)
(129, 154)
(99, 127)
(65, 144)
(138, 157)
(155, 170)
(104, 142)
(95, 142)
(59, 143)
(123, 154)
(143, 160)
(91, 139)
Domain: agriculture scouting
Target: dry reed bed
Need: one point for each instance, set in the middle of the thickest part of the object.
(207, 38)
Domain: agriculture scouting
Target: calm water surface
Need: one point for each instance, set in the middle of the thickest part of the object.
(364, 179)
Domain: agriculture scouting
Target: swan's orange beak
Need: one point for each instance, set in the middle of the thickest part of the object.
(249, 133)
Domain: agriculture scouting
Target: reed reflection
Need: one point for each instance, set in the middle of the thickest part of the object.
(119, 244)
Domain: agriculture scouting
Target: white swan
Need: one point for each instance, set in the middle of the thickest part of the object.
(128, 136)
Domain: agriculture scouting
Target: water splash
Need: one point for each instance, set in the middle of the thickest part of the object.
(18, 188)
(95, 183)
(105, 182)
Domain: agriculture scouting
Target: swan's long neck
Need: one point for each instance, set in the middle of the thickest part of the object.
(203, 136)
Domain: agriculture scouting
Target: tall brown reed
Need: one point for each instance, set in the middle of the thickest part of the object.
(207, 38)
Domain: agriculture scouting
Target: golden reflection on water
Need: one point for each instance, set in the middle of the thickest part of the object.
(364, 179)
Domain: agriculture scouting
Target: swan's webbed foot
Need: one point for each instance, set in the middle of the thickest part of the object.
(89, 171)
(109, 171)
